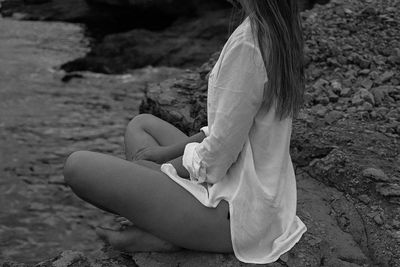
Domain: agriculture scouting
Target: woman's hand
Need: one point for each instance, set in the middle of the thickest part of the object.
(157, 154)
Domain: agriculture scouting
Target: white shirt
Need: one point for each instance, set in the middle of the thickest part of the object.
(244, 158)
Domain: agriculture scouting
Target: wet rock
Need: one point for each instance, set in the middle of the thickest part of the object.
(187, 43)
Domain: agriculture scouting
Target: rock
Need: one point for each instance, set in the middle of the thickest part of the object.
(380, 93)
(386, 76)
(187, 43)
(366, 106)
(378, 219)
(396, 224)
(382, 111)
(320, 84)
(320, 110)
(365, 199)
(324, 100)
(332, 96)
(364, 72)
(375, 174)
(388, 190)
(361, 61)
(333, 116)
(361, 96)
(345, 92)
(67, 258)
(369, 10)
(367, 83)
(336, 87)
(374, 75)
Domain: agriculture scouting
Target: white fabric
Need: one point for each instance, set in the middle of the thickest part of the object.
(244, 158)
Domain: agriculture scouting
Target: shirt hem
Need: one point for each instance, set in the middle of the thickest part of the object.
(269, 259)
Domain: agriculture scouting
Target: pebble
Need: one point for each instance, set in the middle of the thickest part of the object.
(386, 76)
(367, 106)
(364, 199)
(345, 92)
(382, 111)
(336, 86)
(374, 75)
(378, 219)
(333, 116)
(320, 110)
(364, 71)
(363, 95)
(396, 224)
(367, 84)
(324, 100)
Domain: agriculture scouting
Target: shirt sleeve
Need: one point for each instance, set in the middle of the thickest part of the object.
(237, 96)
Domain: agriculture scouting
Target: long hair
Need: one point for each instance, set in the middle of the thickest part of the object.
(277, 28)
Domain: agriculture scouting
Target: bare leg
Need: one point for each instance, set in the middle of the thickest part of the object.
(147, 130)
(150, 200)
(142, 131)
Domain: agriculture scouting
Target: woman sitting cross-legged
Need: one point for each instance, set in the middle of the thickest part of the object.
(230, 188)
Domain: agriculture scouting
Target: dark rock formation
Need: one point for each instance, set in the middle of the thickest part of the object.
(187, 43)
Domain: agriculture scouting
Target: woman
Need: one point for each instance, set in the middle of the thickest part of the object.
(231, 187)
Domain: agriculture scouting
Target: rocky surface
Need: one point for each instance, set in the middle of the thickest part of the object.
(345, 142)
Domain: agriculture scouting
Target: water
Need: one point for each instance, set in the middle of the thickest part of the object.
(43, 120)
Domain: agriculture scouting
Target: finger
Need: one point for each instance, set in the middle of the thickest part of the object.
(139, 154)
(140, 150)
(142, 156)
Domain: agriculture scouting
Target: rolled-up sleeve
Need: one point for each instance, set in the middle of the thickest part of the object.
(237, 96)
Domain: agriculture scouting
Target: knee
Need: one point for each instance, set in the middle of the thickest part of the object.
(73, 167)
(140, 121)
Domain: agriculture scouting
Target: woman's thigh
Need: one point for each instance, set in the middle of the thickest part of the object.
(147, 130)
(149, 199)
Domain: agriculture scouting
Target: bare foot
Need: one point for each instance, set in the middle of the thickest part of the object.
(132, 239)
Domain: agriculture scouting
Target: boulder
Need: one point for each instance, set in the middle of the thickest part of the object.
(187, 43)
